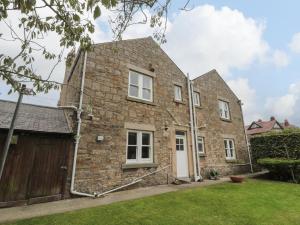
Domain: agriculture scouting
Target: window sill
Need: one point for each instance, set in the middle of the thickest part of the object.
(180, 102)
(202, 155)
(231, 160)
(140, 101)
(226, 120)
(198, 107)
(138, 165)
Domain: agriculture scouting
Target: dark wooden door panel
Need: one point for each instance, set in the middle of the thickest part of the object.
(13, 184)
(47, 175)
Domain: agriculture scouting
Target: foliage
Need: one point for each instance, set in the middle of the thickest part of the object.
(281, 162)
(276, 145)
(252, 202)
(72, 21)
(282, 168)
(213, 174)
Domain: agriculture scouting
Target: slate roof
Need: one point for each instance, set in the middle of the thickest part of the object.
(34, 118)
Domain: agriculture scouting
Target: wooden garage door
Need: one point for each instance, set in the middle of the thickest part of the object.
(35, 170)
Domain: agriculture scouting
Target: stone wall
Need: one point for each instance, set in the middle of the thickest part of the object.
(108, 112)
(214, 129)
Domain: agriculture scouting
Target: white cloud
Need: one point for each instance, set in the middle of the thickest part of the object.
(286, 106)
(280, 58)
(295, 43)
(247, 94)
(206, 38)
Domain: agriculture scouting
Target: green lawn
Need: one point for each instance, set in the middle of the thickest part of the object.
(253, 202)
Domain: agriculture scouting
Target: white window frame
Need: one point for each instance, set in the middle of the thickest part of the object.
(228, 153)
(140, 86)
(224, 110)
(139, 145)
(196, 98)
(177, 98)
(200, 138)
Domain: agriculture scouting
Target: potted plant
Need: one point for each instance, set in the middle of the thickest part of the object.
(213, 174)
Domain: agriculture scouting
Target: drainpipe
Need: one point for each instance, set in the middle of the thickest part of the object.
(192, 127)
(79, 111)
(196, 134)
(246, 137)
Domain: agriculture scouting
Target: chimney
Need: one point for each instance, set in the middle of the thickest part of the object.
(272, 118)
(286, 123)
(259, 120)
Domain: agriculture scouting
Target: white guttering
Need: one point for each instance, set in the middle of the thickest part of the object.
(199, 177)
(192, 127)
(246, 137)
(79, 110)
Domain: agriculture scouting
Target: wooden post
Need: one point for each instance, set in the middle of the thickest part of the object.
(11, 131)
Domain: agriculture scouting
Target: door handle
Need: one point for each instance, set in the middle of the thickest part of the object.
(64, 167)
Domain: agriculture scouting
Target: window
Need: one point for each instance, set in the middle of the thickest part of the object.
(177, 93)
(140, 86)
(224, 110)
(229, 148)
(200, 142)
(196, 98)
(139, 147)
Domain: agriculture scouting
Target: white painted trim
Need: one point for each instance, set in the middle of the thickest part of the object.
(140, 87)
(139, 145)
(180, 93)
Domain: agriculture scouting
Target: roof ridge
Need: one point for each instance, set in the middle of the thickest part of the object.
(31, 104)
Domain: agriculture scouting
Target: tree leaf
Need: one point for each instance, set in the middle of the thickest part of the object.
(97, 12)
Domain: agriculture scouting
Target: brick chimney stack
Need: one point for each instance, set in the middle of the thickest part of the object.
(286, 123)
(272, 118)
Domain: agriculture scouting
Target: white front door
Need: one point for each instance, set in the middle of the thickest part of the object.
(181, 155)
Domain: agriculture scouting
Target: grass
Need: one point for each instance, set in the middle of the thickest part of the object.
(253, 202)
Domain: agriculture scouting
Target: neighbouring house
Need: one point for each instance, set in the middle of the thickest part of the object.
(139, 114)
(261, 127)
(39, 161)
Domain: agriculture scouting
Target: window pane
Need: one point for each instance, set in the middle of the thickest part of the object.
(196, 98)
(133, 91)
(146, 94)
(132, 138)
(147, 82)
(134, 78)
(145, 139)
(177, 148)
(225, 144)
(177, 91)
(230, 143)
(131, 152)
(200, 147)
(145, 152)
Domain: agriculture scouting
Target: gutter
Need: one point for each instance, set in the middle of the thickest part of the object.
(79, 111)
(199, 177)
(192, 128)
(246, 137)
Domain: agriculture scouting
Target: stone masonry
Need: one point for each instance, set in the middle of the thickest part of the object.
(109, 112)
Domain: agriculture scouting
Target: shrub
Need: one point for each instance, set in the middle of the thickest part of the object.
(282, 168)
(284, 144)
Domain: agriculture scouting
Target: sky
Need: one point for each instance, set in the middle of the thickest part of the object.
(254, 45)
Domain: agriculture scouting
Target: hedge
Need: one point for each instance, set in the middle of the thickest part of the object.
(280, 162)
(276, 145)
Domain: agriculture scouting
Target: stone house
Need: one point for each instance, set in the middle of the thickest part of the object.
(135, 115)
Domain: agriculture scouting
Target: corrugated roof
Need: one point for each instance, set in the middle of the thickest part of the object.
(34, 118)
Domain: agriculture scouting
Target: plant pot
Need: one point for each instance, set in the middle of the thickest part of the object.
(237, 179)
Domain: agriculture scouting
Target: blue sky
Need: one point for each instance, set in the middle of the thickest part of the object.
(248, 42)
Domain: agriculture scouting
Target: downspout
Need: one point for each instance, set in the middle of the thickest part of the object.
(192, 127)
(79, 111)
(196, 134)
(246, 137)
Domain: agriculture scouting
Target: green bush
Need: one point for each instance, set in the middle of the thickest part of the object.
(276, 145)
(281, 168)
